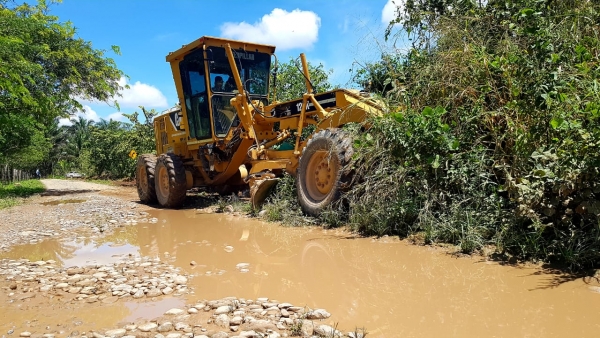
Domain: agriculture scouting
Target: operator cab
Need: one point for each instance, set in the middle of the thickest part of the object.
(208, 84)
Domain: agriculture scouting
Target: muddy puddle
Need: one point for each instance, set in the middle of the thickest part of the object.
(392, 288)
(66, 201)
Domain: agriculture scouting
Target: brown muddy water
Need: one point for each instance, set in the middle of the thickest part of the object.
(391, 288)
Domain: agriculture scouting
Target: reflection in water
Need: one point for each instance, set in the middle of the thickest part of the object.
(71, 253)
(91, 254)
(151, 308)
(387, 286)
(49, 249)
(391, 288)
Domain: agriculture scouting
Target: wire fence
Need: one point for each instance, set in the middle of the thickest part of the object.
(9, 174)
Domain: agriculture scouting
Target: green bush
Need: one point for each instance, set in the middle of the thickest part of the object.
(509, 156)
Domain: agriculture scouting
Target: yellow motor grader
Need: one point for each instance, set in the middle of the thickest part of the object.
(228, 132)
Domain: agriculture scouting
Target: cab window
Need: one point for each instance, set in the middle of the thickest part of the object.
(195, 94)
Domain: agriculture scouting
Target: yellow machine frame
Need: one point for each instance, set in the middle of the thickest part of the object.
(262, 125)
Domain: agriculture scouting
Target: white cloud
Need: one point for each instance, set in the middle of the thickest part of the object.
(286, 30)
(391, 10)
(141, 94)
(138, 94)
(88, 113)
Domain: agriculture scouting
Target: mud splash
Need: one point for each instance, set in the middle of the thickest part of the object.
(392, 288)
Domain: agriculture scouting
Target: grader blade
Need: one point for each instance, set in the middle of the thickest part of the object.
(259, 191)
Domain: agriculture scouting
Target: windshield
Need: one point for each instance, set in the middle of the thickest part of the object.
(253, 68)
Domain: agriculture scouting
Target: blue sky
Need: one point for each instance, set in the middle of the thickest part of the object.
(338, 33)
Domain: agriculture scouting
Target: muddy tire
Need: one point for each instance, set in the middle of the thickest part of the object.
(170, 184)
(323, 171)
(144, 178)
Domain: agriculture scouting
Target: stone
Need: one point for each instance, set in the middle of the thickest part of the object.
(74, 270)
(25, 334)
(237, 320)
(165, 327)
(115, 333)
(222, 320)
(130, 327)
(174, 312)
(62, 285)
(223, 309)
(318, 314)
(138, 294)
(326, 331)
(308, 328)
(167, 291)
(174, 335)
(147, 327)
(85, 282)
(98, 335)
(192, 310)
(179, 280)
(154, 292)
(261, 326)
(249, 334)
(88, 290)
(285, 313)
(181, 326)
(74, 289)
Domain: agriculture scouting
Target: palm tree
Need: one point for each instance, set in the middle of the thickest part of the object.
(80, 133)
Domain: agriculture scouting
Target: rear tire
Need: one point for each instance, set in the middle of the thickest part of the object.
(323, 171)
(170, 181)
(144, 178)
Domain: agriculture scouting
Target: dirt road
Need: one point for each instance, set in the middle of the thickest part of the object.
(67, 272)
(87, 260)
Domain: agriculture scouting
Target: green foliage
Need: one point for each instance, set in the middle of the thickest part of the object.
(510, 156)
(291, 83)
(282, 204)
(99, 149)
(44, 70)
(111, 143)
(11, 194)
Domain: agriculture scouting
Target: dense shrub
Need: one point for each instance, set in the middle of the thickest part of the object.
(509, 155)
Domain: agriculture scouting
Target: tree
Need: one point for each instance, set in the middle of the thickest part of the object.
(44, 70)
(291, 82)
(80, 133)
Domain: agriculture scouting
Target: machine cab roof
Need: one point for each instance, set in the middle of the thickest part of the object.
(206, 84)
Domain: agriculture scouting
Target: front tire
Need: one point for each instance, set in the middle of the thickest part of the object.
(323, 171)
(144, 178)
(170, 181)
